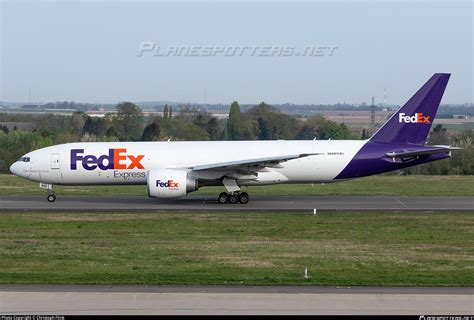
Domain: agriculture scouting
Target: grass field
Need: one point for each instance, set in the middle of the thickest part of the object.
(460, 126)
(376, 185)
(396, 249)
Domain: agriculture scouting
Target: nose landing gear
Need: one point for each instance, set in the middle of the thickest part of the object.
(49, 187)
(51, 197)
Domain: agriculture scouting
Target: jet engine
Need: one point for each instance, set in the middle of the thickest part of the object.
(168, 183)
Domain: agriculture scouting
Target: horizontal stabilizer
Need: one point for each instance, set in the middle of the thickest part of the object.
(420, 152)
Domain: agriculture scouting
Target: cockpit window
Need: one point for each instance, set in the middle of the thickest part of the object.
(25, 159)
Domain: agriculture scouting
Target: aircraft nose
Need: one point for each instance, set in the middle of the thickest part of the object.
(15, 168)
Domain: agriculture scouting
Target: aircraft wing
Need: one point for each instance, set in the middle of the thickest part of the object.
(419, 152)
(246, 163)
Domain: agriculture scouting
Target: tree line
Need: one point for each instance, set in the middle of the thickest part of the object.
(261, 122)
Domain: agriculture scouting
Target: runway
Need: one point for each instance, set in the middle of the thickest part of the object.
(71, 299)
(257, 203)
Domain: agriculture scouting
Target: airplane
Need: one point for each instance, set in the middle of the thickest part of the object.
(174, 169)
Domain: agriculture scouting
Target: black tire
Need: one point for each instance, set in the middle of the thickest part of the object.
(223, 198)
(233, 198)
(244, 198)
(51, 198)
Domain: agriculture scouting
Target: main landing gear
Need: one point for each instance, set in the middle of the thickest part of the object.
(241, 197)
(233, 194)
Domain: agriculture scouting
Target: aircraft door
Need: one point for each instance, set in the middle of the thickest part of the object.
(315, 162)
(55, 161)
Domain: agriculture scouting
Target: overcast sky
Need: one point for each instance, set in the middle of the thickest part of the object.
(86, 51)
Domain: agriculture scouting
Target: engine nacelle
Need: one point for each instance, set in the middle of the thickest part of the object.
(168, 183)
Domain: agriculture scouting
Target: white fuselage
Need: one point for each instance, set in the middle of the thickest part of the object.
(58, 165)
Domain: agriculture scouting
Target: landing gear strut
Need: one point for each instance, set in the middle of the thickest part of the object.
(241, 197)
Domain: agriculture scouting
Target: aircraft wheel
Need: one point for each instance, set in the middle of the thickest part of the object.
(51, 198)
(223, 198)
(233, 198)
(244, 197)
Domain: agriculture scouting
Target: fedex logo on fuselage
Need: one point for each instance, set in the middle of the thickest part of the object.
(417, 118)
(167, 184)
(116, 159)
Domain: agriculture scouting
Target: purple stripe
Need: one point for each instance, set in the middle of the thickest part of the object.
(371, 159)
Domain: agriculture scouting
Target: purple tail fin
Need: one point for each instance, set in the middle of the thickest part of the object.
(412, 122)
